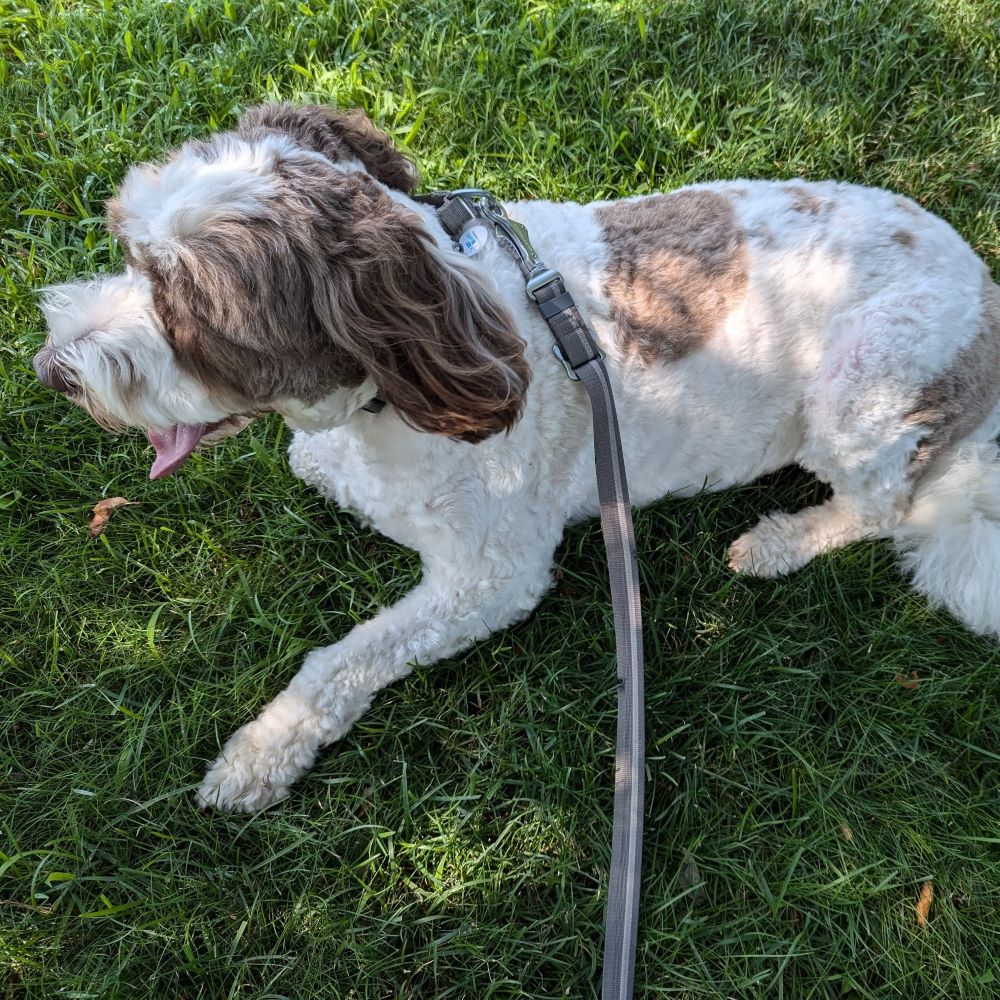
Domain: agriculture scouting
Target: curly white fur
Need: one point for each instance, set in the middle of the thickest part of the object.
(950, 539)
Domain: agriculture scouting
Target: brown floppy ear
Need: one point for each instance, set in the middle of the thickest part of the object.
(425, 324)
(328, 281)
(338, 135)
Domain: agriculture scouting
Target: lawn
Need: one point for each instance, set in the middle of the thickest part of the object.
(456, 844)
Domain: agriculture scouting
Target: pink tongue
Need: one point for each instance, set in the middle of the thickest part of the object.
(173, 447)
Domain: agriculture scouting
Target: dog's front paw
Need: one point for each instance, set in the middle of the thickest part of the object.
(260, 761)
(234, 785)
(253, 770)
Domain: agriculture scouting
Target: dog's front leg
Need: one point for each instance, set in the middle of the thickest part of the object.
(441, 616)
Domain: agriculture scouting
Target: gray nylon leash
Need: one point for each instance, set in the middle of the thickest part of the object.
(583, 361)
(622, 915)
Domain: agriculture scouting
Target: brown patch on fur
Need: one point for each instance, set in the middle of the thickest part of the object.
(904, 238)
(908, 206)
(806, 203)
(329, 283)
(961, 398)
(677, 267)
(114, 215)
(338, 135)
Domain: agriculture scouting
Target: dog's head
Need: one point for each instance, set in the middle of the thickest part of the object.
(280, 267)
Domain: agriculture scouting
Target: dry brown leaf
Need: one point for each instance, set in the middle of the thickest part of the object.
(910, 683)
(924, 902)
(689, 877)
(102, 514)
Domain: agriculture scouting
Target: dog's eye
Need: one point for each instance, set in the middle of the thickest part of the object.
(54, 375)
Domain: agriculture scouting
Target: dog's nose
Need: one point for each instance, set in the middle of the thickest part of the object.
(50, 373)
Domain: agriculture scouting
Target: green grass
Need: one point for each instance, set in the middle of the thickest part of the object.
(456, 844)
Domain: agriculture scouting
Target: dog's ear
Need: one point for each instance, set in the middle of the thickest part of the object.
(427, 326)
(307, 278)
(338, 135)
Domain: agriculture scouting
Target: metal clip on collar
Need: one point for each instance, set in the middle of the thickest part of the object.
(479, 203)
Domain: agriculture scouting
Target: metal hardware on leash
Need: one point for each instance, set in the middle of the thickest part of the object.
(511, 235)
(566, 365)
(543, 279)
(577, 351)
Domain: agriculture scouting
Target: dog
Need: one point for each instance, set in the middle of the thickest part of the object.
(748, 325)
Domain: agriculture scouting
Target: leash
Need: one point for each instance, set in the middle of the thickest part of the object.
(576, 348)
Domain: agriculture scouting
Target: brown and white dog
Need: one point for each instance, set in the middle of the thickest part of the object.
(748, 325)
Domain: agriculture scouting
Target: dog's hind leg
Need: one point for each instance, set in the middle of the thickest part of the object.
(782, 543)
(452, 607)
(860, 436)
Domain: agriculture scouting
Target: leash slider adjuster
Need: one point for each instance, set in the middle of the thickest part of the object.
(540, 278)
(570, 370)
